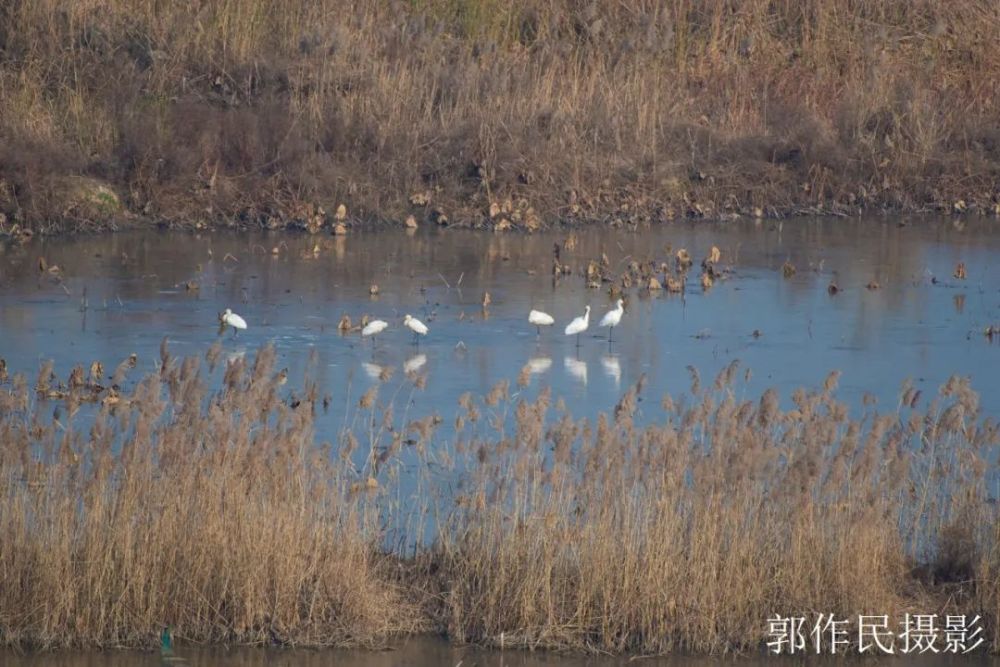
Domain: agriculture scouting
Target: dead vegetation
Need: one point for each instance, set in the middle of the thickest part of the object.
(508, 115)
(682, 535)
(215, 513)
(218, 513)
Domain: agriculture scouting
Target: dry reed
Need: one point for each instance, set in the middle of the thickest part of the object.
(219, 514)
(688, 533)
(273, 113)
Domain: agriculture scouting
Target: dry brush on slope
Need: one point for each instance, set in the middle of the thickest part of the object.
(260, 112)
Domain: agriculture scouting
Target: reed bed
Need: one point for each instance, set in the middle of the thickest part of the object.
(509, 114)
(216, 512)
(685, 534)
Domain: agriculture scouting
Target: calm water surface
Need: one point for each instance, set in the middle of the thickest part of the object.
(922, 323)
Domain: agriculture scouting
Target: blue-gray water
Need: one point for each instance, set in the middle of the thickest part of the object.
(921, 323)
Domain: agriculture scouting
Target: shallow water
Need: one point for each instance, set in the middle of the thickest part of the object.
(422, 652)
(912, 327)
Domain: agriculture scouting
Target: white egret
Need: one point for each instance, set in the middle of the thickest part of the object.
(613, 317)
(416, 326)
(579, 325)
(540, 319)
(230, 319)
(374, 328)
(577, 369)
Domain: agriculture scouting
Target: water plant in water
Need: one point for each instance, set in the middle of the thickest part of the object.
(215, 510)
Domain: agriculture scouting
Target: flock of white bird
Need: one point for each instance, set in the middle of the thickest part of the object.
(537, 318)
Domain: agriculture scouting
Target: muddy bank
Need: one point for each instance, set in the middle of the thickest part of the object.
(260, 114)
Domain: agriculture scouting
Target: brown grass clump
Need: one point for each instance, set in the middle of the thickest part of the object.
(270, 113)
(219, 514)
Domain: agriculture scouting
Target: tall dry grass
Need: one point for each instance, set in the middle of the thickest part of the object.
(218, 513)
(687, 534)
(259, 112)
(215, 513)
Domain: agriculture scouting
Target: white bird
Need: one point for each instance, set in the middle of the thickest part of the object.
(613, 317)
(540, 319)
(579, 325)
(577, 369)
(416, 326)
(374, 328)
(230, 319)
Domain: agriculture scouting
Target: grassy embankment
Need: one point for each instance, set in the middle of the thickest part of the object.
(273, 112)
(220, 515)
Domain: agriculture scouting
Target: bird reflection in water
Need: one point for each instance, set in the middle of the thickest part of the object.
(374, 371)
(612, 368)
(539, 365)
(414, 363)
(577, 368)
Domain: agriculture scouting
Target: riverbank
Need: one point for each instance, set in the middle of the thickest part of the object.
(131, 502)
(261, 114)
